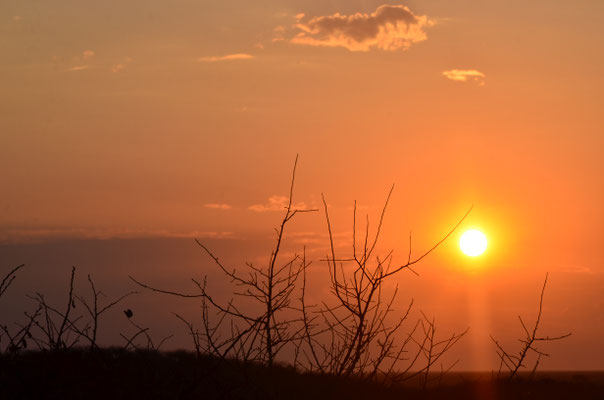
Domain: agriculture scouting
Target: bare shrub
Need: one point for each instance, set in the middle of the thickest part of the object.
(95, 310)
(512, 362)
(16, 340)
(52, 327)
(358, 333)
(258, 335)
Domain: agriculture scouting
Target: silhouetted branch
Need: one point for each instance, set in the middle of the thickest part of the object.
(194, 334)
(514, 362)
(130, 342)
(95, 313)
(53, 329)
(257, 335)
(361, 340)
(9, 278)
(18, 341)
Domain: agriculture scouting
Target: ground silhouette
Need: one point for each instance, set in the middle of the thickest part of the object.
(120, 374)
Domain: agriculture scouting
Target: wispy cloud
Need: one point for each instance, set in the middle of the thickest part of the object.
(307, 237)
(465, 75)
(119, 67)
(276, 203)
(279, 33)
(82, 59)
(86, 54)
(79, 68)
(218, 206)
(319, 240)
(35, 235)
(228, 57)
(390, 27)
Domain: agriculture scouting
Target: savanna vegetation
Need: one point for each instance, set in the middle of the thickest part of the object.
(268, 340)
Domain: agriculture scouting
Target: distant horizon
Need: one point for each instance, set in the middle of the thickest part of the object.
(110, 261)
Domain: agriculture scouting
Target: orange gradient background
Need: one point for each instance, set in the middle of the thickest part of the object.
(164, 121)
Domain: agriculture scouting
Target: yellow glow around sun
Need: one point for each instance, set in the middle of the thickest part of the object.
(473, 243)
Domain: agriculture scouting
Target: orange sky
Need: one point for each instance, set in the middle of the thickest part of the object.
(181, 119)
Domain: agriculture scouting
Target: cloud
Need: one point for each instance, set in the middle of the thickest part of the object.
(279, 34)
(78, 68)
(86, 54)
(218, 206)
(465, 75)
(117, 68)
(390, 27)
(228, 57)
(276, 203)
(37, 235)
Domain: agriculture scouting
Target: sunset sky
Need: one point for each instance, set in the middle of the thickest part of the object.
(173, 120)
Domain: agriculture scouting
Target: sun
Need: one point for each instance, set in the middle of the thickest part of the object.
(473, 243)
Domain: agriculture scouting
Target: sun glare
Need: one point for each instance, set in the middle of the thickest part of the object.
(473, 243)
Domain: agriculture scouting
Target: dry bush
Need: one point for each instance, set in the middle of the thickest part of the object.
(16, 340)
(512, 362)
(261, 334)
(356, 332)
(52, 327)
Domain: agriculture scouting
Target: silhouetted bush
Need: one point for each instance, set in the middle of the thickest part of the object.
(354, 333)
